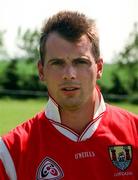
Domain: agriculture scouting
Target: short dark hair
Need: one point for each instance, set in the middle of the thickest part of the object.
(71, 26)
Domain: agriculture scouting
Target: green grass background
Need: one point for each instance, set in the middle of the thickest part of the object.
(14, 112)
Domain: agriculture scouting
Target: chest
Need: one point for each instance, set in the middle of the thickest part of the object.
(104, 156)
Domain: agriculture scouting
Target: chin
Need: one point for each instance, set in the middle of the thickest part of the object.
(71, 105)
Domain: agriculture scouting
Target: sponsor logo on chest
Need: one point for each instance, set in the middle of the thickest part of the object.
(49, 170)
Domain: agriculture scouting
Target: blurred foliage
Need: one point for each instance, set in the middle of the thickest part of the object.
(3, 52)
(126, 75)
(129, 55)
(19, 75)
(2, 38)
(28, 42)
(10, 80)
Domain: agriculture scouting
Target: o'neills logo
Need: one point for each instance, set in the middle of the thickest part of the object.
(49, 169)
(121, 156)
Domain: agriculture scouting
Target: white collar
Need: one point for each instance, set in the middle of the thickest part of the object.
(52, 113)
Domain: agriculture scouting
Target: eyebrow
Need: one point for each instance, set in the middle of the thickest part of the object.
(84, 58)
(54, 59)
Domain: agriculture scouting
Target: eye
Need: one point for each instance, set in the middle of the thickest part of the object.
(81, 61)
(56, 62)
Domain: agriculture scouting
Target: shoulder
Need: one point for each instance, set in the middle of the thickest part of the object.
(122, 117)
(22, 132)
(15, 143)
(122, 113)
(121, 123)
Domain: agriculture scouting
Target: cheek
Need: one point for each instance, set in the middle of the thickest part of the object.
(90, 74)
(90, 79)
(52, 78)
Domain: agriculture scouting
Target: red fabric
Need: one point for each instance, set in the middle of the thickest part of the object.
(37, 139)
(3, 175)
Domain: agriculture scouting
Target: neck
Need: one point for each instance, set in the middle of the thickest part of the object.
(78, 119)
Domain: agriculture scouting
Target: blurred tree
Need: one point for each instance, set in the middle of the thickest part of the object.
(128, 61)
(3, 53)
(10, 80)
(2, 38)
(129, 56)
(118, 87)
(28, 42)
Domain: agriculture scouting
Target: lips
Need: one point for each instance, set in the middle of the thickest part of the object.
(70, 88)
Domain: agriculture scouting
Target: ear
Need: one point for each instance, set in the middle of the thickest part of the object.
(40, 70)
(99, 68)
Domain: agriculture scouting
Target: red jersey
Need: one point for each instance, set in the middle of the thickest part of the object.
(36, 150)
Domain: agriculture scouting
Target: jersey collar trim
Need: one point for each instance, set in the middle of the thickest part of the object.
(52, 113)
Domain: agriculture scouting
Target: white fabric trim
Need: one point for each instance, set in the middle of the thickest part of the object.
(7, 161)
(90, 131)
(99, 107)
(52, 111)
(66, 132)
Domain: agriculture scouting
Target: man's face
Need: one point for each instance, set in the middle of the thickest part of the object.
(70, 71)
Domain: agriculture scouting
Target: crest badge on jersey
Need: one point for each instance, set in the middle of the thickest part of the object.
(121, 156)
(49, 170)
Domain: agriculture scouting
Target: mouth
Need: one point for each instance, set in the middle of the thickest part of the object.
(70, 89)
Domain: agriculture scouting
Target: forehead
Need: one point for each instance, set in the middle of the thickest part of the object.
(57, 46)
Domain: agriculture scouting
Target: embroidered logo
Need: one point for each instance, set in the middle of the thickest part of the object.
(121, 156)
(49, 170)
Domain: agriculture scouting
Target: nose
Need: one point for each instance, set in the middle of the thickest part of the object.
(69, 73)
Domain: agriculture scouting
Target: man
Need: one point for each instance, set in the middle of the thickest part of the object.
(78, 137)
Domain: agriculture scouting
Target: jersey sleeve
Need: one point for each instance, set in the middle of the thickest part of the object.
(7, 168)
(3, 175)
